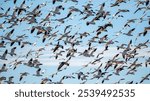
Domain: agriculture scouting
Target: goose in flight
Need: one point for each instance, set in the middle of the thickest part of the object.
(38, 73)
(29, 63)
(10, 80)
(54, 1)
(2, 79)
(121, 10)
(3, 68)
(45, 80)
(129, 32)
(57, 10)
(36, 63)
(3, 56)
(107, 78)
(22, 75)
(147, 62)
(118, 2)
(2, 44)
(63, 63)
(12, 52)
(9, 34)
(145, 78)
(82, 76)
(16, 63)
(15, 1)
(21, 8)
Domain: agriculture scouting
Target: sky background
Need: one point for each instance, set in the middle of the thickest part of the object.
(47, 58)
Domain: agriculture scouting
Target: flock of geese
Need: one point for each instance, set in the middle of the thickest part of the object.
(72, 30)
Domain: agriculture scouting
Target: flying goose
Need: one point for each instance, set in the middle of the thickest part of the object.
(12, 52)
(2, 79)
(63, 63)
(3, 68)
(38, 73)
(22, 75)
(145, 78)
(3, 56)
(10, 80)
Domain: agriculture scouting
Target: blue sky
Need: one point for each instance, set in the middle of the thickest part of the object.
(50, 64)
